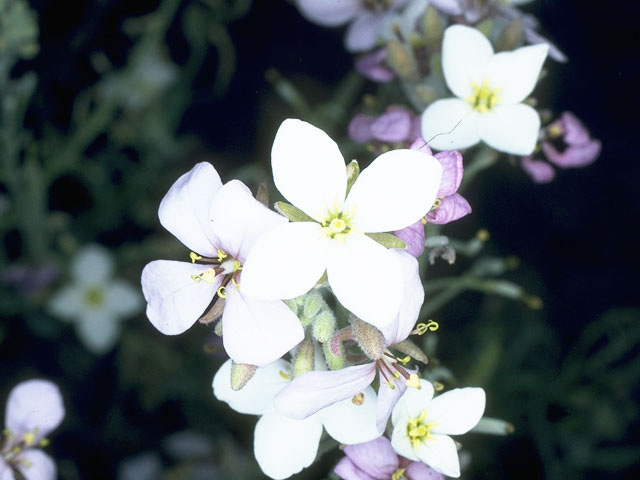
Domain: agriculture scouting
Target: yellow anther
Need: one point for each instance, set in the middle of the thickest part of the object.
(555, 131)
(337, 225)
(483, 98)
(358, 399)
(284, 375)
(418, 430)
(44, 442)
(194, 257)
(437, 386)
(430, 326)
(7, 433)
(237, 266)
(391, 385)
(396, 375)
(482, 235)
(196, 278)
(29, 438)
(413, 381)
(404, 360)
(398, 474)
(209, 275)
(221, 255)
(235, 283)
(423, 220)
(221, 292)
(437, 203)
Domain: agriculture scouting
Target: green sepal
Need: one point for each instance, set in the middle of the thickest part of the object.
(292, 213)
(262, 195)
(241, 373)
(387, 240)
(324, 325)
(303, 359)
(353, 170)
(334, 353)
(432, 25)
(409, 348)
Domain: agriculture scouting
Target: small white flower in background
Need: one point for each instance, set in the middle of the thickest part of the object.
(95, 301)
(284, 446)
(34, 409)
(422, 424)
(390, 194)
(490, 89)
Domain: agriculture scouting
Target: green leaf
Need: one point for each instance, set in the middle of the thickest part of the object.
(387, 240)
(292, 213)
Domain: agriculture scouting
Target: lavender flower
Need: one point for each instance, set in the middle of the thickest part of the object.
(376, 460)
(398, 126)
(373, 66)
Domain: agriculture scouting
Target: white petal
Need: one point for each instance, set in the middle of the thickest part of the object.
(6, 473)
(329, 13)
(68, 303)
(511, 128)
(174, 300)
(350, 423)
(397, 189)
(258, 332)
(121, 299)
(413, 402)
(363, 32)
(366, 278)
(285, 262)
(441, 454)
(256, 397)
(185, 209)
(516, 73)
(450, 124)
(93, 264)
(238, 219)
(413, 298)
(400, 440)
(465, 53)
(34, 404)
(99, 331)
(456, 411)
(34, 464)
(308, 168)
(283, 446)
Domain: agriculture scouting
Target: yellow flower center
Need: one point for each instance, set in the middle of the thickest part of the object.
(94, 296)
(336, 225)
(224, 265)
(398, 474)
(483, 98)
(418, 430)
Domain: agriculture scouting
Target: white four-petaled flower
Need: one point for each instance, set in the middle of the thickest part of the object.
(422, 424)
(392, 193)
(490, 89)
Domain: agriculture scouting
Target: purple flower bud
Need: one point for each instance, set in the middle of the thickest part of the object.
(373, 66)
(539, 171)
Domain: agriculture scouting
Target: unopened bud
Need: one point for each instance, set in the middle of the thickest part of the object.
(334, 353)
(324, 325)
(369, 338)
(433, 28)
(241, 373)
(312, 304)
(353, 170)
(303, 358)
(402, 61)
(426, 94)
(409, 348)
(511, 36)
(262, 195)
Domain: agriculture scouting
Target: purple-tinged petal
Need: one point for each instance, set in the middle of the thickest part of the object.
(174, 299)
(575, 133)
(258, 332)
(419, 471)
(310, 392)
(387, 399)
(372, 66)
(413, 236)
(34, 464)
(393, 126)
(375, 458)
(534, 38)
(329, 13)
(452, 171)
(539, 171)
(363, 32)
(239, 219)
(360, 128)
(34, 406)
(6, 473)
(421, 144)
(184, 210)
(451, 208)
(450, 7)
(347, 470)
(573, 156)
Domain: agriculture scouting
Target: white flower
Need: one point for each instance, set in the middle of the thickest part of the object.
(392, 193)
(284, 446)
(95, 301)
(490, 89)
(422, 424)
(34, 409)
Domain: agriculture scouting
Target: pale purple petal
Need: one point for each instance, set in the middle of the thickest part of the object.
(372, 66)
(539, 171)
(310, 392)
(534, 38)
(413, 236)
(575, 133)
(452, 171)
(184, 210)
(419, 471)
(363, 32)
(450, 7)
(387, 399)
(174, 299)
(393, 126)
(239, 219)
(360, 128)
(258, 332)
(34, 405)
(347, 470)
(6, 473)
(452, 208)
(375, 458)
(329, 13)
(34, 464)
(573, 156)
(420, 143)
